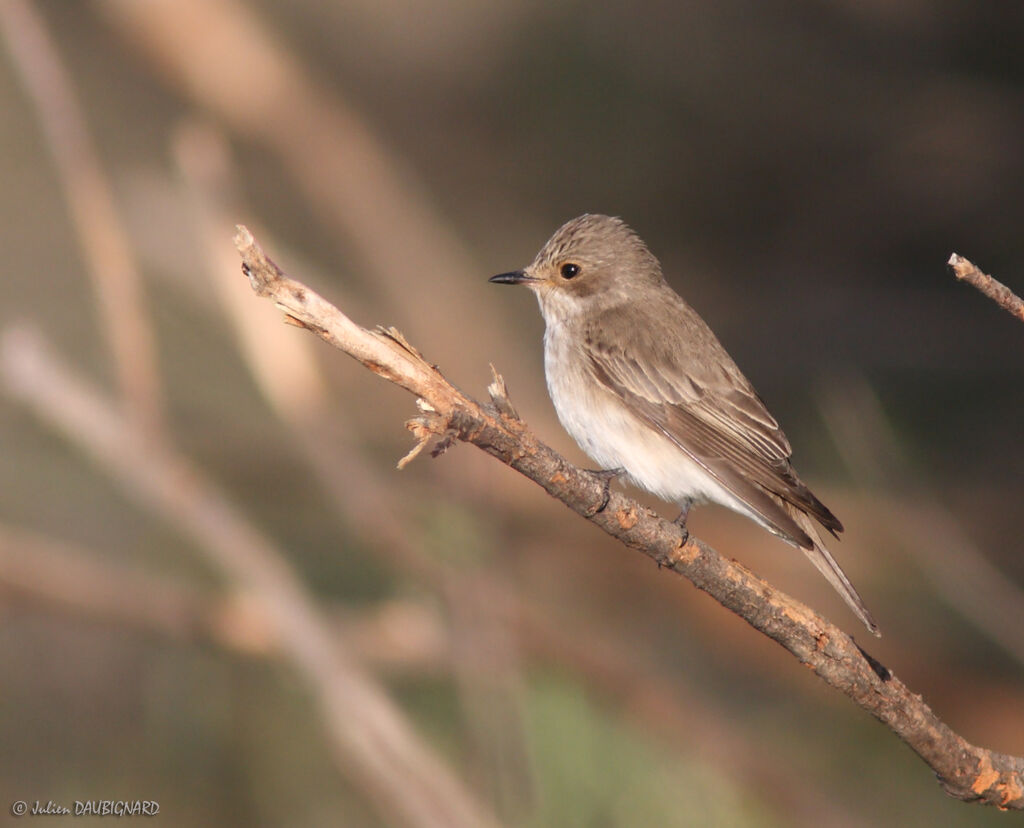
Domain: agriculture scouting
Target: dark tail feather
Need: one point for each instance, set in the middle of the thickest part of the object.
(827, 566)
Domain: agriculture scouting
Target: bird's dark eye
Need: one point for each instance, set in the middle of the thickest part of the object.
(569, 270)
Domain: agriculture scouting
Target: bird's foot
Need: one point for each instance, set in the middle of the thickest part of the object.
(606, 476)
(680, 521)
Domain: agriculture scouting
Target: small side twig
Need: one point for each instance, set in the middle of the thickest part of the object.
(995, 290)
(498, 393)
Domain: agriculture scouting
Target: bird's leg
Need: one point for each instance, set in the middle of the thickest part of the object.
(681, 520)
(606, 476)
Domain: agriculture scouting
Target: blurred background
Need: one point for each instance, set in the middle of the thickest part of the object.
(218, 593)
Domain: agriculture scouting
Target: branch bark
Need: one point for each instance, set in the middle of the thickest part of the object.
(967, 271)
(965, 771)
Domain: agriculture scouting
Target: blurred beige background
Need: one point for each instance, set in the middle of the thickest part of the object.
(217, 592)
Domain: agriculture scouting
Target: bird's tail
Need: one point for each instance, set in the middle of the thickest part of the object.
(827, 566)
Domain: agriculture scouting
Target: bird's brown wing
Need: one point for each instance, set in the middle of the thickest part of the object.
(711, 412)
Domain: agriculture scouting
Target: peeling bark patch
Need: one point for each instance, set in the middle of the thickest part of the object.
(683, 554)
(557, 479)
(1012, 792)
(987, 776)
(800, 615)
(627, 518)
(295, 322)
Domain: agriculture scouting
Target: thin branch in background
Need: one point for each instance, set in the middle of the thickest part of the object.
(487, 657)
(965, 771)
(364, 193)
(960, 573)
(999, 293)
(286, 372)
(117, 284)
(57, 575)
(402, 776)
(44, 573)
(397, 636)
(370, 737)
(282, 364)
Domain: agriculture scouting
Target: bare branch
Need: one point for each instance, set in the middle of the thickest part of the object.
(999, 293)
(965, 771)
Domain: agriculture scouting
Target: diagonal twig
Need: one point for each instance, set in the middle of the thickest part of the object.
(967, 271)
(965, 771)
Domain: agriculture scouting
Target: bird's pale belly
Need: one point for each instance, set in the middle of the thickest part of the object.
(614, 437)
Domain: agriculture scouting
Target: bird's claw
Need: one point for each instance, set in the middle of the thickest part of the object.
(680, 520)
(606, 476)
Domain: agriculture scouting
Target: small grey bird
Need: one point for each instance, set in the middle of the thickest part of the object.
(643, 385)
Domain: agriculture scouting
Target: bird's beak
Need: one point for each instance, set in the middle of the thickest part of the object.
(516, 277)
